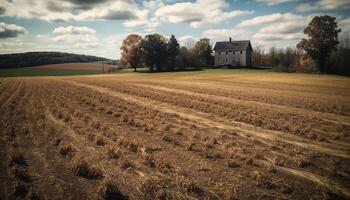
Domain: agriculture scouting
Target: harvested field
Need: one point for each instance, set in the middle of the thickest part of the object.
(229, 134)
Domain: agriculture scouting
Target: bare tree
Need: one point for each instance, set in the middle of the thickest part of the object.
(258, 56)
(272, 56)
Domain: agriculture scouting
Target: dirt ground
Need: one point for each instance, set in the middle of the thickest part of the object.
(194, 135)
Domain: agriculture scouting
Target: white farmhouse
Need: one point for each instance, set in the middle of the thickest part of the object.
(233, 53)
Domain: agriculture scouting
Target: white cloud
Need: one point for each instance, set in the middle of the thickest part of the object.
(153, 4)
(110, 46)
(282, 29)
(66, 39)
(10, 43)
(277, 29)
(287, 27)
(275, 2)
(187, 37)
(187, 41)
(280, 38)
(81, 40)
(11, 30)
(29, 9)
(74, 30)
(11, 37)
(43, 37)
(113, 10)
(269, 19)
(344, 24)
(79, 10)
(200, 13)
(224, 34)
(80, 36)
(324, 5)
(142, 22)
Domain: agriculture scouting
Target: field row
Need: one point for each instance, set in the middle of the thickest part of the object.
(88, 138)
(310, 126)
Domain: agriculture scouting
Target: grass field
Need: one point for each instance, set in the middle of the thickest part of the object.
(66, 69)
(22, 72)
(213, 134)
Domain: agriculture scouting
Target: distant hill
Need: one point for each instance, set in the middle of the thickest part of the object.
(30, 59)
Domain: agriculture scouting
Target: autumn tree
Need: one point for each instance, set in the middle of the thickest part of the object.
(155, 50)
(322, 38)
(203, 50)
(172, 50)
(132, 51)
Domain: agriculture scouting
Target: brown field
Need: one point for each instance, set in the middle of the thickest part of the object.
(76, 66)
(195, 135)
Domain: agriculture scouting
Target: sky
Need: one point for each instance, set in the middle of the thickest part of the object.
(98, 27)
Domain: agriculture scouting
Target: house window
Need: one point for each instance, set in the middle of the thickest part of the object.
(233, 52)
(219, 52)
(226, 52)
(241, 52)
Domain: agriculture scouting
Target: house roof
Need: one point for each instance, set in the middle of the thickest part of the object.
(233, 45)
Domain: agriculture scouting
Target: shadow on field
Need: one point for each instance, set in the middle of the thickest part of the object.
(175, 70)
(146, 70)
(25, 72)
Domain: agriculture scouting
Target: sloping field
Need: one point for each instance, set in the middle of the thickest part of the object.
(77, 66)
(227, 134)
(66, 69)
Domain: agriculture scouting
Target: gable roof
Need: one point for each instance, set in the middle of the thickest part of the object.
(233, 45)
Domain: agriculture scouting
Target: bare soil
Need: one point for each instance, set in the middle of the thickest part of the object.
(175, 136)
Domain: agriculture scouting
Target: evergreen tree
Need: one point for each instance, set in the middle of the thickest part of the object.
(172, 50)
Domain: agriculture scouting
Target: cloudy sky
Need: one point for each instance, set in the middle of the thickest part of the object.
(97, 27)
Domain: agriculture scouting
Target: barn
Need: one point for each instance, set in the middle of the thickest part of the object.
(233, 53)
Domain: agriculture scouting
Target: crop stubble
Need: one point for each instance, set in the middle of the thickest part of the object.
(141, 138)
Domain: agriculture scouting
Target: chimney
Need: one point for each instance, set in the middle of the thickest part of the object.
(230, 40)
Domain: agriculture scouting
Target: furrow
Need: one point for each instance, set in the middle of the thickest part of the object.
(263, 134)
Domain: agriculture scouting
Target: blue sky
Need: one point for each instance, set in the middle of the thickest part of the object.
(97, 27)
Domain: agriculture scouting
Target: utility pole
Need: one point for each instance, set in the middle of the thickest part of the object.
(103, 67)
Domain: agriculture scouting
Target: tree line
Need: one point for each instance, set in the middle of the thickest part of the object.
(158, 53)
(321, 51)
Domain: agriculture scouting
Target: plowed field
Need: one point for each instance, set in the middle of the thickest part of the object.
(202, 135)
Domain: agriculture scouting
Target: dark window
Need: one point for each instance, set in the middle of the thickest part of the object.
(219, 52)
(241, 52)
(226, 52)
(233, 52)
